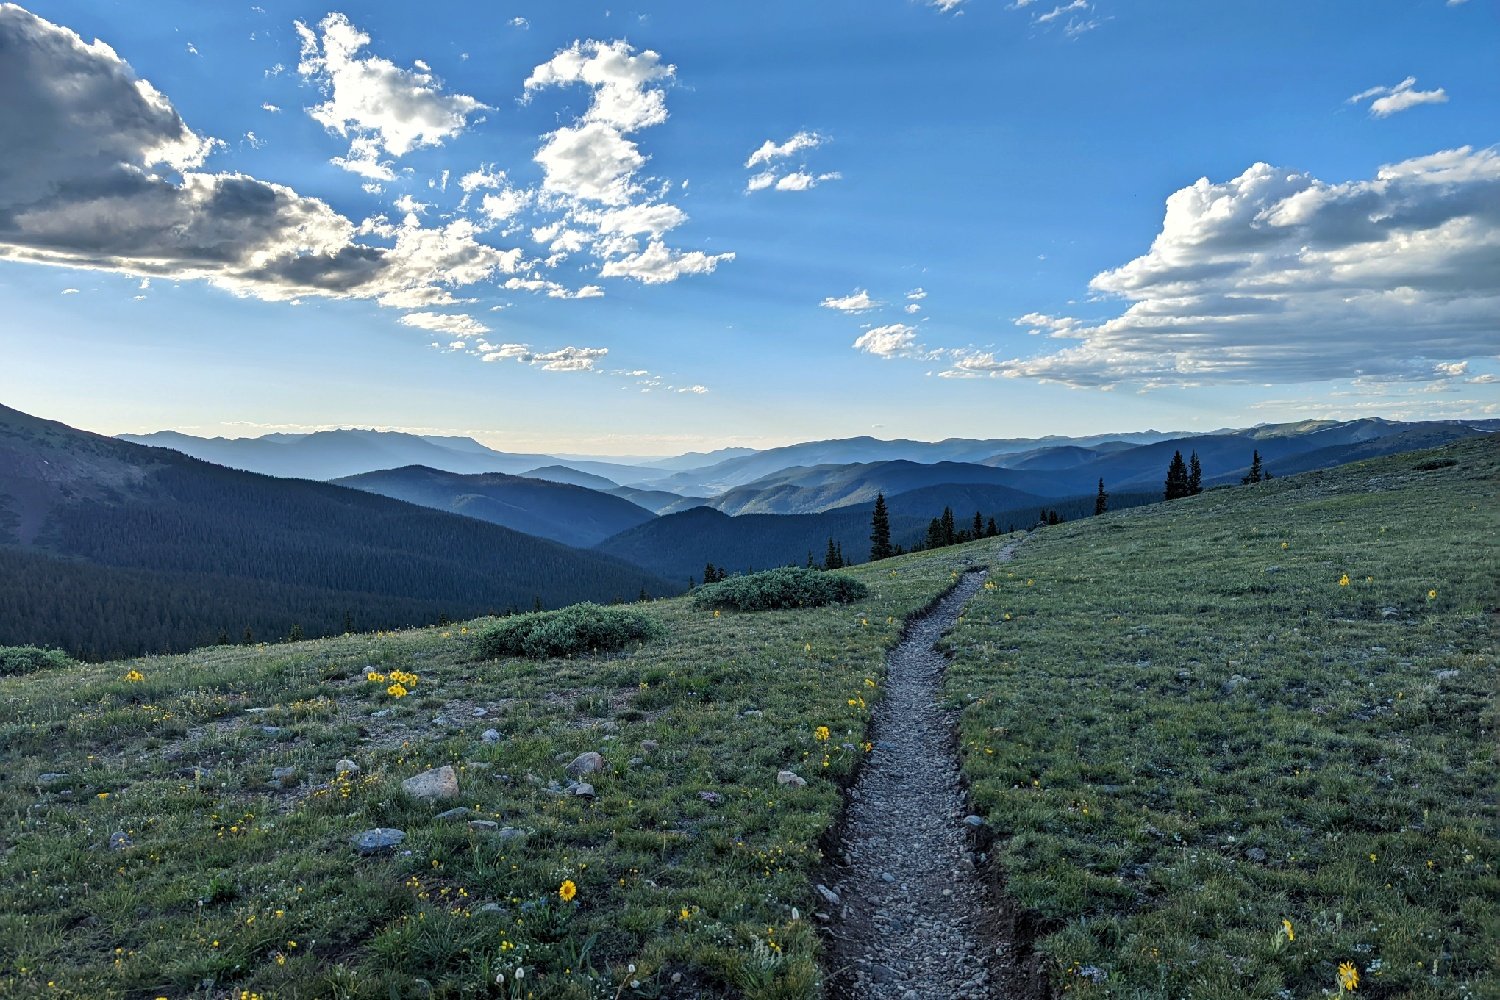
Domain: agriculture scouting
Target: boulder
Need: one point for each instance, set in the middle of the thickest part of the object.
(438, 783)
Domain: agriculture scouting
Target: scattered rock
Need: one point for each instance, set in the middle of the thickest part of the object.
(493, 908)
(454, 814)
(1234, 683)
(829, 896)
(256, 711)
(974, 822)
(790, 778)
(119, 840)
(586, 763)
(378, 841)
(1256, 854)
(480, 713)
(1389, 612)
(284, 777)
(484, 825)
(712, 798)
(346, 766)
(650, 746)
(491, 736)
(510, 833)
(583, 790)
(1445, 675)
(438, 783)
(271, 730)
(51, 777)
(382, 713)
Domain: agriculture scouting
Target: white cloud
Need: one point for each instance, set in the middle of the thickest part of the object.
(769, 150)
(554, 289)
(271, 108)
(887, 341)
(410, 206)
(657, 264)
(916, 294)
(857, 301)
(947, 6)
(380, 107)
(1389, 100)
(520, 22)
(801, 180)
(70, 291)
(1062, 9)
(81, 196)
(570, 359)
(695, 389)
(459, 325)
(912, 308)
(1276, 276)
(761, 181)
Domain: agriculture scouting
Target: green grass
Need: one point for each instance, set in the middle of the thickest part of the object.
(230, 884)
(1186, 730)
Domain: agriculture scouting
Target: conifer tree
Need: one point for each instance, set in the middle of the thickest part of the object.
(978, 525)
(839, 548)
(935, 534)
(991, 529)
(1195, 476)
(295, 635)
(831, 557)
(1256, 473)
(710, 575)
(1177, 478)
(1101, 500)
(880, 530)
(949, 534)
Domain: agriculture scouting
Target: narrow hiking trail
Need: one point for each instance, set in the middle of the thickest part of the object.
(911, 921)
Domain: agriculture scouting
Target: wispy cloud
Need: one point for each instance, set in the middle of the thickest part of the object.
(893, 340)
(857, 301)
(1389, 100)
(780, 176)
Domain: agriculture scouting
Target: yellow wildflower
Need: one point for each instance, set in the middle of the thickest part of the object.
(1432, 595)
(567, 890)
(1348, 977)
(821, 733)
(1344, 580)
(684, 914)
(396, 691)
(134, 676)
(1286, 928)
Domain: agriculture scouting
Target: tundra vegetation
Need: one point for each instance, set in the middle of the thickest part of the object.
(1230, 746)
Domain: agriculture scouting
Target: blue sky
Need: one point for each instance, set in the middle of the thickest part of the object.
(673, 226)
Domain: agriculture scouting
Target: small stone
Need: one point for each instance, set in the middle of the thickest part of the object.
(378, 841)
(829, 896)
(650, 746)
(438, 783)
(480, 713)
(1234, 683)
(284, 777)
(484, 825)
(510, 833)
(50, 777)
(454, 814)
(583, 790)
(1445, 675)
(712, 798)
(888, 878)
(256, 711)
(271, 730)
(910, 995)
(790, 778)
(974, 822)
(380, 714)
(586, 763)
(1256, 854)
(119, 840)
(490, 736)
(492, 908)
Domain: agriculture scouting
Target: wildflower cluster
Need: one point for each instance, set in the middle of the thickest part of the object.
(401, 682)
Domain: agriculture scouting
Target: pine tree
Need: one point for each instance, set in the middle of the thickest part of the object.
(1256, 473)
(1177, 478)
(1195, 476)
(840, 549)
(935, 534)
(249, 636)
(1053, 517)
(978, 525)
(810, 563)
(1101, 500)
(831, 557)
(710, 575)
(223, 638)
(991, 529)
(295, 635)
(880, 530)
(949, 534)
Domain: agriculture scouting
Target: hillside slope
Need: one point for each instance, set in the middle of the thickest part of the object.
(154, 525)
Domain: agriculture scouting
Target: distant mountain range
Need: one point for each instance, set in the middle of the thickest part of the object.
(109, 548)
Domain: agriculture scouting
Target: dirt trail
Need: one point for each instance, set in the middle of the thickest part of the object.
(913, 919)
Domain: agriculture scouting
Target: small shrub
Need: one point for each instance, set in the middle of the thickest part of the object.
(577, 629)
(789, 587)
(16, 660)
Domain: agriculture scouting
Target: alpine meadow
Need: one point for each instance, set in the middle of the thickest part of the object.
(896, 500)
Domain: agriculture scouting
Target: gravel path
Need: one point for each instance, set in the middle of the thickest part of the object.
(911, 921)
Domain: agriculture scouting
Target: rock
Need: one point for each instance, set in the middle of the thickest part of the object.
(1445, 675)
(586, 763)
(284, 777)
(490, 736)
(887, 878)
(789, 778)
(119, 840)
(712, 798)
(1389, 612)
(974, 822)
(256, 711)
(484, 825)
(493, 908)
(346, 766)
(510, 833)
(380, 714)
(650, 746)
(378, 841)
(451, 815)
(51, 777)
(271, 730)
(1256, 854)
(1234, 683)
(583, 790)
(438, 783)
(829, 896)
(480, 713)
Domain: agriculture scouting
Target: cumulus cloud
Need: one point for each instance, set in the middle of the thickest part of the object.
(658, 264)
(1389, 100)
(128, 196)
(1277, 276)
(888, 341)
(857, 301)
(381, 108)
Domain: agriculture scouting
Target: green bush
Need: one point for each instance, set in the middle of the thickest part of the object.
(789, 587)
(29, 659)
(579, 628)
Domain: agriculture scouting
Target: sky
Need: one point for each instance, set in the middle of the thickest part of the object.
(648, 229)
